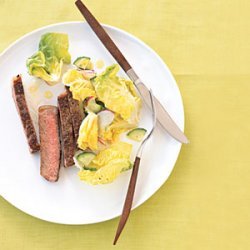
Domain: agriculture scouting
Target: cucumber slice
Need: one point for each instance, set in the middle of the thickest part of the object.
(137, 134)
(92, 106)
(83, 159)
(100, 103)
(90, 168)
(83, 62)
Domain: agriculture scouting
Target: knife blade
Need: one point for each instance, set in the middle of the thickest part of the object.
(162, 115)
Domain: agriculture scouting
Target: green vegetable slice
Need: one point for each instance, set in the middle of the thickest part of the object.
(83, 62)
(90, 168)
(92, 106)
(137, 134)
(83, 159)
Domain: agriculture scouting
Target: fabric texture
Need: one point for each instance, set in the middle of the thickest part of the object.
(205, 203)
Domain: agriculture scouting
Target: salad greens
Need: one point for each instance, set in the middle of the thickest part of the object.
(80, 87)
(48, 61)
(118, 94)
(108, 164)
(111, 105)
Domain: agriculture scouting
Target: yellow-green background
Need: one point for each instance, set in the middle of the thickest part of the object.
(205, 203)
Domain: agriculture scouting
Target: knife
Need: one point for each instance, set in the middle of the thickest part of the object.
(162, 115)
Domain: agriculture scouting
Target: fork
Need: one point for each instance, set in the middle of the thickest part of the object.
(132, 184)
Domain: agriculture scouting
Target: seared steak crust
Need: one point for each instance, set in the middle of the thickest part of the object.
(67, 133)
(23, 111)
(76, 114)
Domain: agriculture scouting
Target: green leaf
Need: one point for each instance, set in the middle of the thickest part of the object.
(36, 65)
(48, 61)
(55, 45)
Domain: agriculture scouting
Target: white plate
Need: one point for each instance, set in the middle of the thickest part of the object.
(70, 201)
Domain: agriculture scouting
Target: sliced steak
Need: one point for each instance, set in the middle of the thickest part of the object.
(23, 111)
(66, 130)
(50, 142)
(76, 114)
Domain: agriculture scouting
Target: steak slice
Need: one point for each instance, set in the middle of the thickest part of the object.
(76, 114)
(24, 114)
(50, 142)
(66, 129)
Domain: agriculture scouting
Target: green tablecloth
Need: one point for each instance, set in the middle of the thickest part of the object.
(205, 203)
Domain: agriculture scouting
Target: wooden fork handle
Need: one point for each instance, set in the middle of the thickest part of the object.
(129, 199)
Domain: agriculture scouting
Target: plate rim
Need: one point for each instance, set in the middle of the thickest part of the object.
(182, 126)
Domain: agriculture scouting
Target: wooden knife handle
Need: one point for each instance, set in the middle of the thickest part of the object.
(129, 199)
(103, 36)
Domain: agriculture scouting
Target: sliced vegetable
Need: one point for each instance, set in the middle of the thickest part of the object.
(90, 168)
(83, 62)
(105, 118)
(85, 158)
(102, 144)
(137, 134)
(101, 103)
(101, 141)
(82, 159)
(92, 106)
